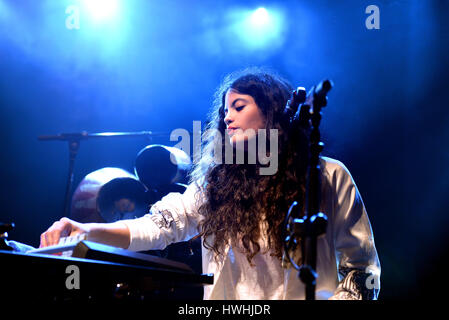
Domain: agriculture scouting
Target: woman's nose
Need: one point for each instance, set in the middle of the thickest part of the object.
(228, 119)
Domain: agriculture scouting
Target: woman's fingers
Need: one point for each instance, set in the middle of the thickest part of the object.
(58, 229)
(43, 242)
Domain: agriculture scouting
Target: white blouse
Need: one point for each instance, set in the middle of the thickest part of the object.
(347, 263)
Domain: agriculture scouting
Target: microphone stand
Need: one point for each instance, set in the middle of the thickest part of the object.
(307, 229)
(74, 140)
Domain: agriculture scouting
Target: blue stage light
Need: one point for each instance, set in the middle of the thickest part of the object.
(259, 18)
(259, 29)
(105, 23)
(102, 10)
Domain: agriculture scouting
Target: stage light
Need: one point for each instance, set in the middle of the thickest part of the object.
(259, 24)
(102, 10)
(104, 22)
(259, 18)
(261, 28)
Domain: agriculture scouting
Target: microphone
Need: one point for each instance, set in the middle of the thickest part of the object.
(323, 87)
(298, 97)
(317, 96)
(320, 92)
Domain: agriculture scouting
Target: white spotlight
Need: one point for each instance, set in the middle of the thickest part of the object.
(260, 17)
(102, 9)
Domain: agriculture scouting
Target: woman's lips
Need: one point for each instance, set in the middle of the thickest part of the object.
(231, 131)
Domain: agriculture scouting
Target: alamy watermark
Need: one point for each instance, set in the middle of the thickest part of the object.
(251, 145)
(73, 280)
(373, 20)
(373, 280)
(72, 21)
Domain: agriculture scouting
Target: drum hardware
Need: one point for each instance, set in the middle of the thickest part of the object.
(74, 140)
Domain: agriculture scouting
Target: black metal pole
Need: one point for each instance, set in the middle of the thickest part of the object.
(307, 230)
(73, 151)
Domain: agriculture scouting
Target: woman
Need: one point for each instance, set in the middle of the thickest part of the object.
(239, 212)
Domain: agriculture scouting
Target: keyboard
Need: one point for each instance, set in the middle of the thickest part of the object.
(106, 273)
(64, 247)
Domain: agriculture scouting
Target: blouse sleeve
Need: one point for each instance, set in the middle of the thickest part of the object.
(357, 259)
(172, 219)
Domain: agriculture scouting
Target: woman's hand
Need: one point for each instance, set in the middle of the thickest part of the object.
(62, 228)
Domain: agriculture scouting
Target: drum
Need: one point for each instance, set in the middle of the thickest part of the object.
(107, 195)
(158, 166)
(110, 194)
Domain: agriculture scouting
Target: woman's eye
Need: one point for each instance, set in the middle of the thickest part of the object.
(239, 108)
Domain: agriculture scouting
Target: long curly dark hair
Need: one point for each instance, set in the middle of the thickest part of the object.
(237, 197)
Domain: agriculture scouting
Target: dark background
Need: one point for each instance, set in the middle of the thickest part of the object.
(156, 64)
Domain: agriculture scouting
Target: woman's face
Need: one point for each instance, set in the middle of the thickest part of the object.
(241, 114)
